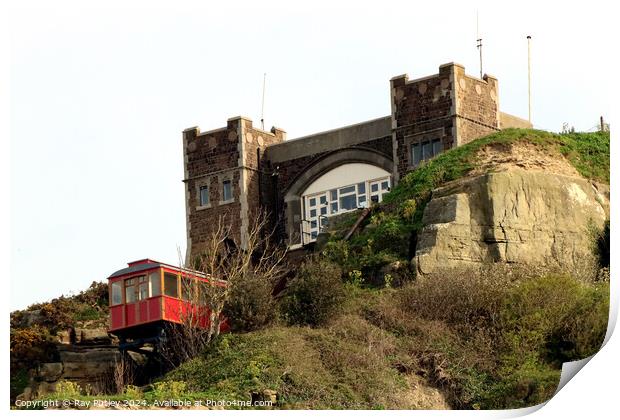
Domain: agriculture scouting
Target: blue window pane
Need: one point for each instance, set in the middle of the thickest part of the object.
(384, 185)
(416, 151)
(335, 208)
(374, 187)
(227, 190)
(427, 150)
(323, 211)
(313, 224)
(323, 199)
(437, 147)
(313, 213)
(312, 202)
(361, 188)
(204, 195)
(348, 202)
(313, 235)
(347, 190)
(333, 195)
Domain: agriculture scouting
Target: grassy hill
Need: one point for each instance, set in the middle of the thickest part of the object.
(493, 337)
(489, 338)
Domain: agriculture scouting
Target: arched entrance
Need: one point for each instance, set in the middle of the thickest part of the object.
(339, 182)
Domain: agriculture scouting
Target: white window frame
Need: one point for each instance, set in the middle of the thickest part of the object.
(311, 225)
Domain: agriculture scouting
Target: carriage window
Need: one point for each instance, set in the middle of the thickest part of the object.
(187, 292)
(143, 289)
(130, 294)
(117, 293)
(170, 285)
(154, 280)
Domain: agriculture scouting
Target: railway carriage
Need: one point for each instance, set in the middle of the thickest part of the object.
(148, 294)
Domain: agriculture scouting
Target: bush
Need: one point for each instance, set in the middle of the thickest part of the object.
(169, 390)
(30, 346)
(251, 304)
(66, 390)
(314, 295)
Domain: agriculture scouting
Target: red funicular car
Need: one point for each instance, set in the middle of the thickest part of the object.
(148, 294)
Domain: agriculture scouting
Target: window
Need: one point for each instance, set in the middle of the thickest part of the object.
(187, 292)
(347, 190)
(416, 153)
(361, 188)
(204, 195)
(427, 150)
(117, 293)
(227, 194)
(143, 291)
(337, 201)
(130, 291)
(348, 202)
(154, 281)
(171, 285)
(437, 147)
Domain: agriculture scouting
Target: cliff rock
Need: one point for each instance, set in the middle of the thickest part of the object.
(516, 215)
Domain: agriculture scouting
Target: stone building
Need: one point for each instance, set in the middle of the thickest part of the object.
(235, 171)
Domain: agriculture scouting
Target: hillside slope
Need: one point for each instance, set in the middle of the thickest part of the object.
(469, 336)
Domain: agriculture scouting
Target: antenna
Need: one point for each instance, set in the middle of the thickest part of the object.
(262, 111)
(479, 42)
(529, 79)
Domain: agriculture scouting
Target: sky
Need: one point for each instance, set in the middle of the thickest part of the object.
(100, 94)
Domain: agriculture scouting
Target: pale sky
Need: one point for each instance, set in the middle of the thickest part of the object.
(99, 97)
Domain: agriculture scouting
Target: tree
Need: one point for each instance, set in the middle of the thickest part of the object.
(228, 267)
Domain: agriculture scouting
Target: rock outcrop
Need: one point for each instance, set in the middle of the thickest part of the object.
(84, 356)
(515, 215)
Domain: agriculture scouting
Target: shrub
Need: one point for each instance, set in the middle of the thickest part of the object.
(251, 304)
(30, 346)
(66, 390)
(167, 390)
(132, 392)
(314, 295)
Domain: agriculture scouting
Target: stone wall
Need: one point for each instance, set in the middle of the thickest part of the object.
(477, 106)
(209, 159)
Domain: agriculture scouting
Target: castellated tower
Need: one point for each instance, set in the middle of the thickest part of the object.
(442, 111)
(222, 172)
